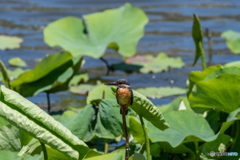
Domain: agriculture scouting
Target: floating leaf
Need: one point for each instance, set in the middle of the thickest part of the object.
(155, 64)
(196, 76)
(221, 93)
(104, 121)
(154, 92)
(111, 28)
(233, 40)
(129, 68)
(198, 38)
(83, 89)
(144, 107)
(9, 42)
(17, 62)
(52, 74)
(31, 119)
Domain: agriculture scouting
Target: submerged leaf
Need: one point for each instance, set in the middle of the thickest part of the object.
(155, 64)
(233, 40)
(153, 92)
(17, 62)
(197, 37)
(110, 28)
(31, 119)
(9, 42)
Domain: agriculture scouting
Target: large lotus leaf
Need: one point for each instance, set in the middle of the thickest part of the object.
(230, 70)
(13, 74)
(221, 93)
(145, 108)
(104, 121)
(11, 138)
(136, 129)
(155, 64)
(8, 155)
(180, 103)
(17, 62)
(110, 28)
(66, 118)
(115, 155)
(3, 122)
(156, 149)
(197, 37)
(154, 92)
(218, 145)
(92, 153)
(182, 130)
(31, 119)
(196, 76)
(97, 93)
(51, 75)
(233, 40)
(9, 42)
(137, 156)
(233, 64)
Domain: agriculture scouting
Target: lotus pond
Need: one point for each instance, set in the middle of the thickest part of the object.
(181, 59)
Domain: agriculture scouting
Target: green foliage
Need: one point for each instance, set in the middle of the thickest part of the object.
(111, 28)
(17, 62)
(51, 75)
(9, 42)
(31, 119)
(116, 155)
(233, 40)
(198, 40)
(155, 64)
(144, 108)
(220, 93)
(103, 120)
(153, 92)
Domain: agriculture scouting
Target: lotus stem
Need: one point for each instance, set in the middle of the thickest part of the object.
(210, 50)
(5, 75)
(105, 145)
(106, 62)
(49, 104)
(204, 66)
(44, 151)
(146, 138)
(126, 135)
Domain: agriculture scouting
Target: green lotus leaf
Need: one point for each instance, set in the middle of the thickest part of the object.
(137, 156)
(17, 62)
(92, 153)
(13, 74)
(218, 145)
(11, 138)
(82, 77)
(220, 93)
(3, 122)
(197, 37)
(115, 155)
(9, 155)
(144, 107)
(51, 75)
(230, 70)
(34, 121)
(9, 42)
(155, 64)
(180, 103)
(136, 129)
(182, 130)
(110, 28)
(129, 68)
(196, 76)
(66, 118)
(233, 40)
(97, 93)
(233, 64)
(154, 92)
(104, 121)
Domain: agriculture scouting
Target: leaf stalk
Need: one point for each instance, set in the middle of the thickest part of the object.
(5, 75)
(44, 151)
